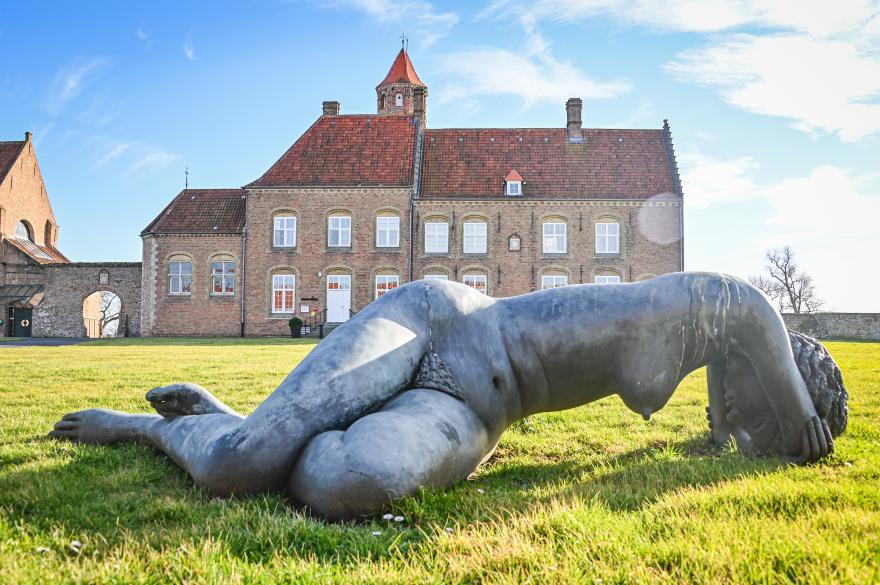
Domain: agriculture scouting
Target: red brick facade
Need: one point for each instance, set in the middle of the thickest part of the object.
(351, 170)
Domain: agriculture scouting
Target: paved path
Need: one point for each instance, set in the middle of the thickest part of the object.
(43, 342)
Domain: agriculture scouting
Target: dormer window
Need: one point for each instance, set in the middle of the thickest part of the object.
(398, 100)
(513, 183)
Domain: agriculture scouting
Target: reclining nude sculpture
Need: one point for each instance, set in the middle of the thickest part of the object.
(416, 389)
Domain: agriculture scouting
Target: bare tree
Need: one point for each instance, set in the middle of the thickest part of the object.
(786, 284)
(109, 319)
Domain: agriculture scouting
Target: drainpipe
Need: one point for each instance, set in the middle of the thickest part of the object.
(244, 232)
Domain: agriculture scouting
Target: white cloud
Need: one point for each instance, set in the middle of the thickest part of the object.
(189, 50)
(814, 63)
(154, 162)
(708, 181)
(821, 85)
(111, 153)
(72, 79)
(144, 37)
(425, 21)
(534, 75)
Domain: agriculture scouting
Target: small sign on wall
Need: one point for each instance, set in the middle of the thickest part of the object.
(303, 308)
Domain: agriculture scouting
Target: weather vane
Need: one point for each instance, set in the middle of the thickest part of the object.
(186, 179)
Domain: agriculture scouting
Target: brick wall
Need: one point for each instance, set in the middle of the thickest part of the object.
(67, 286)
(836, 325)
(649, 241)
(311, 260)
(23, 197)
(201, 312)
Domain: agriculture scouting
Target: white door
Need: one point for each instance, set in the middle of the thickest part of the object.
(338, 298)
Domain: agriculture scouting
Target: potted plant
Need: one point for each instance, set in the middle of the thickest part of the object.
(295, 326)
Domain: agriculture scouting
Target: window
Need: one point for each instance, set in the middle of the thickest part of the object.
(283, 287)
(475, 237)
(436, 277)
(339, 231)
(436, 237)
(398, 100)
(514, 187)
(554, 237)
(223, 277)
(387, 231)
(553, 281)
(385, 283)
(284, 231)
(23, 231)
(475, 280)
(180, 276)
(608, 238)
(607, 278)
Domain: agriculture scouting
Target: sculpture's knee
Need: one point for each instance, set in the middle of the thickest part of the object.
(337, 482)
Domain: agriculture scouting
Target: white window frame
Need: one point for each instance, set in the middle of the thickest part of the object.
(284, 225)
(340, 227)
(553, 281)
(608, 237)
(555, 237)
(225, 276)
(398, 100)
(607, 279)
(436, 237)
(475, 238)
(282, 283)
(387, 231)
(385, 283)
(436, 277)
(179, 280)
(514, 188)
(478, 281)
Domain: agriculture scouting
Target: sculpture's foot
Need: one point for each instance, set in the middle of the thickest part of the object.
(185, 399)
(97, 426)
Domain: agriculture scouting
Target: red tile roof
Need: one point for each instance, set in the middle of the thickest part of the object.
(513, 176)
(402, 71)
(201, 211)
(612, 164)
(9, 151)
(347, 151)
(37, 253)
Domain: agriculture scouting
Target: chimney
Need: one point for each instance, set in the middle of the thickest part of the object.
(420, 95)
(27, 136)
(573, 119)
(330, 108)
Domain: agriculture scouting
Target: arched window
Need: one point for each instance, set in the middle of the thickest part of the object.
(339, 230)
(284, 230)
(398, 100)
(283, 292)
(386, 282)
(47, 234)
(179, 275)
(222, 275)
(382, 102)
(475, 240)
(475, 279)
(23, 230)
(607, 236)
(387, 230)
(607, 277)
(553, 279)
(555, 233)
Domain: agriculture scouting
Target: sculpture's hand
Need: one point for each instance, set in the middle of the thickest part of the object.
(816, 441)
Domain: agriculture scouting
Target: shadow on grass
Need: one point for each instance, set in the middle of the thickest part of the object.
(130, 496)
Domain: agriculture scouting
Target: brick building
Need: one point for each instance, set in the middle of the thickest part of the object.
(28, 236)
(363, 203)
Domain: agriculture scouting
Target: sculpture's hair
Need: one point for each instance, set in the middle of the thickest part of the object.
(823, 379)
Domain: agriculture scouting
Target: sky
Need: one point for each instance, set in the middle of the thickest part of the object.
(774, 105)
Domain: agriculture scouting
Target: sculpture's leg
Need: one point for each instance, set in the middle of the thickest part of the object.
(184, 399)
(420, 438)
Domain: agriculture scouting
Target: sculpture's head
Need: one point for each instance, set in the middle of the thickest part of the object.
(823, 379)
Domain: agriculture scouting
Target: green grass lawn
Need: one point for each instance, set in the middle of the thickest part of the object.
(587, 495)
